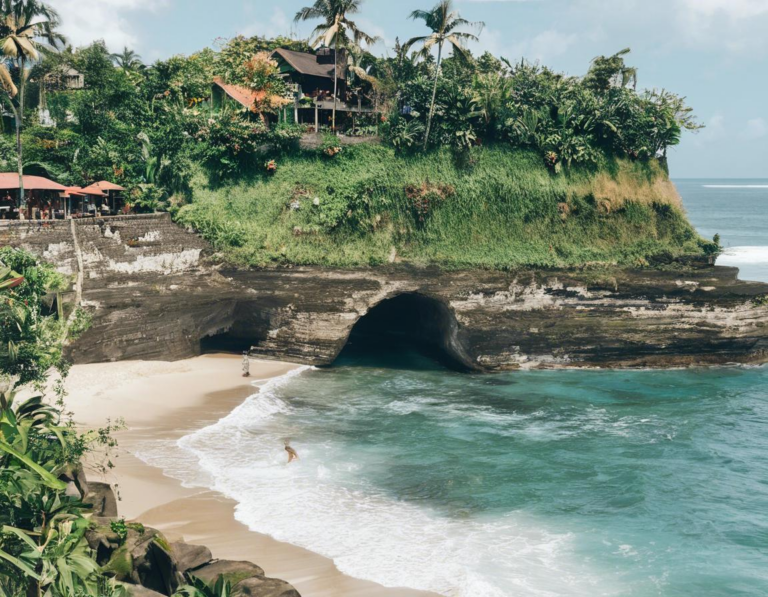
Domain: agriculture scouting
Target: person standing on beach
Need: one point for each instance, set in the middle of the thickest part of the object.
(246, 364)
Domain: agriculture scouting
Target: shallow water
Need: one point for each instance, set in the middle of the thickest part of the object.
(535, 483)
(577, 483)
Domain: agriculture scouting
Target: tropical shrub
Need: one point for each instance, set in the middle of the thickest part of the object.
(43, 550)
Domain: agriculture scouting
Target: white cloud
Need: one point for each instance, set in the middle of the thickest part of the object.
(714, 131)
(278, 24)
(550, 43)
(732, 26)
(83, 21)
(757, 128)
(542, 47)
(735, 9)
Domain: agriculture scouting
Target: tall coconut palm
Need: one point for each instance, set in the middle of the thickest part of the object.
(443, 21)
(127, 59)
(336, 31)
(26, 26)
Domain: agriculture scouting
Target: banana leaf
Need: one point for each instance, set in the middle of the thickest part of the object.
(46, 476)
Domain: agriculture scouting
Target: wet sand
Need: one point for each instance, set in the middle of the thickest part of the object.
(164, 401)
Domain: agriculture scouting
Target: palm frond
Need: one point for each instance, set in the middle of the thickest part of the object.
(7, 81)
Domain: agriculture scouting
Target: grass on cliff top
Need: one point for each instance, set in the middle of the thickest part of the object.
(368, 206)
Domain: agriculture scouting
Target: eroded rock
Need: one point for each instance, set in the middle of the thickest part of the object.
(153, 296)
(144, 558)
(190, 557)
(102, 497)
(264, 587)
(139, 591)
(232, 571)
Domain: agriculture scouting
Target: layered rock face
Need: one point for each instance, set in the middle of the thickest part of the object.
(153, 296)
(143, 281)
(499, 321)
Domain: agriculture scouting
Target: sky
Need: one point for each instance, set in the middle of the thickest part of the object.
(714, 52)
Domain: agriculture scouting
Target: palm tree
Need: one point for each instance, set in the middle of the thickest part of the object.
(336, 31)
(442, 20)
(611, 71)
(25, 26)
(127, 59)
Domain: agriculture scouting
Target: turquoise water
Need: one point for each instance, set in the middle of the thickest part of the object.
(573, 483)
(535, 483)
(737, 210)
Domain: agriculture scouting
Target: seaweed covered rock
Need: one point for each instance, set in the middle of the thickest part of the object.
(144, 558)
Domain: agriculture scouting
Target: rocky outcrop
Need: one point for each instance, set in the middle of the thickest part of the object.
(232, 571)
(146, 564)
(153, 295)
(496, 320)
(264, 587)
(101, 498)
(144, 281)
(190, 557)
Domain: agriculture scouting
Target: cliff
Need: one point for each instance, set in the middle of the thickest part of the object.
(154, 295)
(369, 205)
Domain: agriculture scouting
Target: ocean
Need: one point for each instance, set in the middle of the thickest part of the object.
(737, 210)
(553, 483)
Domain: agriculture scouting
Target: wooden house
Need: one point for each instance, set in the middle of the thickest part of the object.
(311, 77)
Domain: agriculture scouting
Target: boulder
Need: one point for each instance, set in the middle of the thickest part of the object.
(234, 572)
(75, 475)
(103, 541)
(81, 481)
(145, 559)
(139, 591)
(263, 587)
(102, 498)
(72, 490)
(189, 557)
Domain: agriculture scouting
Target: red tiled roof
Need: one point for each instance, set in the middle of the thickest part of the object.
(242, 95)
(10, 180)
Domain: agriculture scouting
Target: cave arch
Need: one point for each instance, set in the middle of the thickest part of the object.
(411, 320)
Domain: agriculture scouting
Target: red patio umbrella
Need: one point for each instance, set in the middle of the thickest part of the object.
(69, 191)
(105, 185)
(94, 190)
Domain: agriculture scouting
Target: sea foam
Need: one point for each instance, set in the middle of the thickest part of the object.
(735, 186)
(743, 255)
(320, 504)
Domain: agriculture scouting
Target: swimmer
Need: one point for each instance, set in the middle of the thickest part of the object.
(292, 455)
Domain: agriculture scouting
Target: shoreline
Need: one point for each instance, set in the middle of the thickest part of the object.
(162, 401)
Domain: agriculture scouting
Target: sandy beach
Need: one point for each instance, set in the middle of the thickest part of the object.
(165, 401)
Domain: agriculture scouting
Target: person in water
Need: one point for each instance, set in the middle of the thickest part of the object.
(292, 455)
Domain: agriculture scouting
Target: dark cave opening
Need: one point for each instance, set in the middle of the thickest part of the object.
(225, 342)
(405, 324)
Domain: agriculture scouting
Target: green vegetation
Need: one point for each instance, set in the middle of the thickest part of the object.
(43, 550)
(482, 162)
(508, 210)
